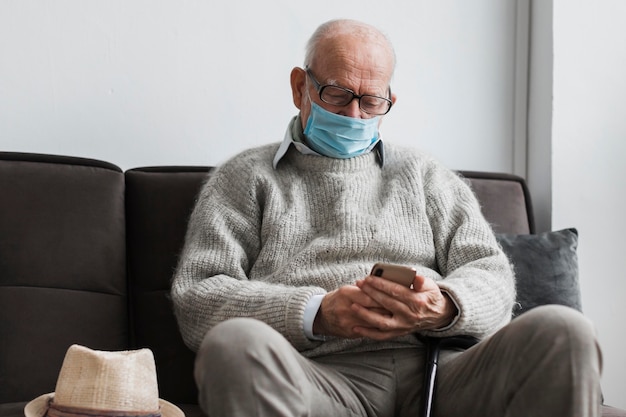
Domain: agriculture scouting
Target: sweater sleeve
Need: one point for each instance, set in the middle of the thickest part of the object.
(212, 282)
(474, 270)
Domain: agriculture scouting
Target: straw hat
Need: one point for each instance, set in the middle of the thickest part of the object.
(106, 384)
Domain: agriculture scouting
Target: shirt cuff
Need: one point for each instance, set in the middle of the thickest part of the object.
(310, 311)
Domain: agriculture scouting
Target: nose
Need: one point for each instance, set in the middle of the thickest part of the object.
(352, 109)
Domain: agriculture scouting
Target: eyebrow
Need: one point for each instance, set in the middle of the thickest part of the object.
(336, 84)
(333, 82)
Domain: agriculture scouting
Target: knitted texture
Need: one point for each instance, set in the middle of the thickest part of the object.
(262, 241)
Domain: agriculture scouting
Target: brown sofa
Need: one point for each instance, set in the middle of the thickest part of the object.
(87, 253)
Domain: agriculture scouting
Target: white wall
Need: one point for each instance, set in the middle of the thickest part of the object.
(149, 82)
(588, 164)
(577, 145)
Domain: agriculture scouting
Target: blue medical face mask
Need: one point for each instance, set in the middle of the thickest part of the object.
(339, 136)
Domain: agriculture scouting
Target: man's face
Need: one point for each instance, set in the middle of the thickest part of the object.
(346, 62)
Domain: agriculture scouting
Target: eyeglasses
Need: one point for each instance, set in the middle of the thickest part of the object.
(339, 96)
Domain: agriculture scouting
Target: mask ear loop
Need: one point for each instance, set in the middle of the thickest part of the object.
(306, 90)
(308, 96)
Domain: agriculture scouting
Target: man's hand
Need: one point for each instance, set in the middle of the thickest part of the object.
(337, 317)
(380, 309)
(423, 307)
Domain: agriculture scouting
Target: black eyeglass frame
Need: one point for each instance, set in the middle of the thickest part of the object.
(320, 89)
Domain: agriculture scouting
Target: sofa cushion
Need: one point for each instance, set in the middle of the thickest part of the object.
(546, 268)
(62, 266)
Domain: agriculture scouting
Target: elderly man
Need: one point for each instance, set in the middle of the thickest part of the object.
(273, 287)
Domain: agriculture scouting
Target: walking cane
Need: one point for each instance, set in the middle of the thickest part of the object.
(433, 347)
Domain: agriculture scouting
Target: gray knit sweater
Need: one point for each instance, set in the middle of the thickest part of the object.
(262, 241)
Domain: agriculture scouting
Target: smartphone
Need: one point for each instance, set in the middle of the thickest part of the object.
(403, 275)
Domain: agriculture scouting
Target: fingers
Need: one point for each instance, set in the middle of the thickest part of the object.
(336, 316)
(380, 309)
(388, 294)
(382, 323)
(411, 310)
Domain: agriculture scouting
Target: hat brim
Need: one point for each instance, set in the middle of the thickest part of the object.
(39, 407)
(170, 410)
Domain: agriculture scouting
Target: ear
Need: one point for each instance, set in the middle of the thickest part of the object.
(393, 98)
(393, 101)
(298, 84)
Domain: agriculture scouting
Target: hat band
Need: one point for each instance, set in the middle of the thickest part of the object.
(55, 410)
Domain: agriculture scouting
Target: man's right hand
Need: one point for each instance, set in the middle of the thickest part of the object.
(336, 317)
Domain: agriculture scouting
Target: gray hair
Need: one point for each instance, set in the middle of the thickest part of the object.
(346, 26)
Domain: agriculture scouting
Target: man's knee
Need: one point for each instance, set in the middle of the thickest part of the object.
(557, 319)
(234, 337)
(229, 346)
(564, 328)
(235, 331)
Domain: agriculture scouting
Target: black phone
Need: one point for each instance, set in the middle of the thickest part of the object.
(400, 274)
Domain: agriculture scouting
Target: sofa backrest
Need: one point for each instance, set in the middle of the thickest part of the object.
(505, 201)
(158, 204)
(81, 241)
(62, 266)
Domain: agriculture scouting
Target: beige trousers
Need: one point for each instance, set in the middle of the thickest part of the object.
(544, 363)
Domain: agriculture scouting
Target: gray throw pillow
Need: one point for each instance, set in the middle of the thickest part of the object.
(546, 267)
